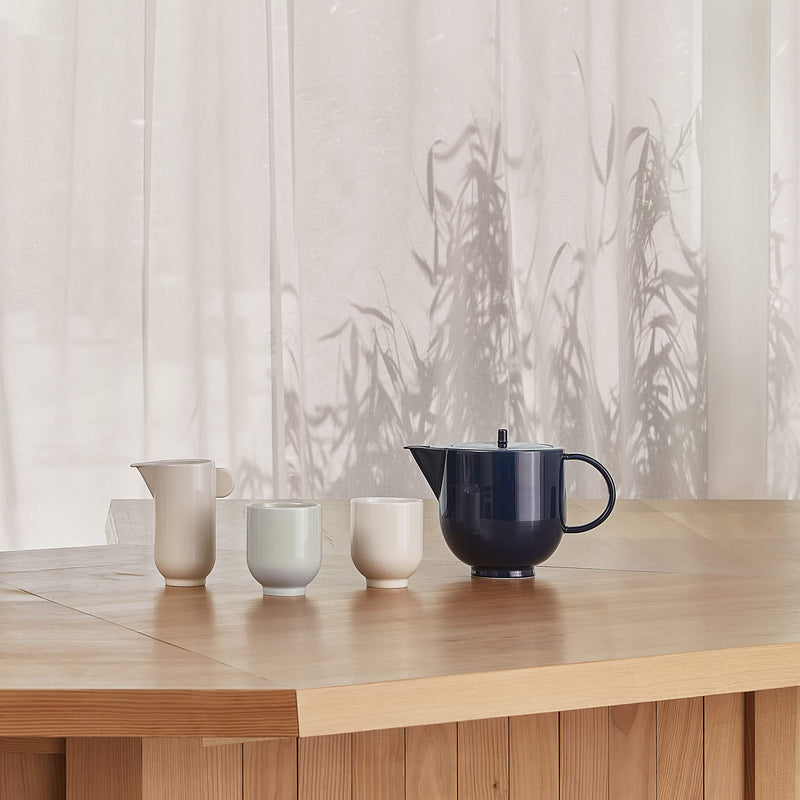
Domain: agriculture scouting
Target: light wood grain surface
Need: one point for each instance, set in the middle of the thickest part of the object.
(378, 763)
(105, 768)
(668, 599)
(483, 759)
(32, 775)
(33, 745)
(182, 769)
(534, 757)
(724, 747)
(269, 770)
(734, 537)
(324, 768)
(776, 735)
(432, 762)
(679, 761)
(584, 754)
(632, 752)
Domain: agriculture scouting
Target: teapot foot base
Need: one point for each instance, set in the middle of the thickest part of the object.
(503, 573)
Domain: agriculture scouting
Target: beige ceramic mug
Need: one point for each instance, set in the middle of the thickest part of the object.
(386, 539)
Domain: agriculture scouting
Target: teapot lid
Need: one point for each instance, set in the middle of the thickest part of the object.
(502, 443)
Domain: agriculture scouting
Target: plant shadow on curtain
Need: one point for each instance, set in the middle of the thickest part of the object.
(296, 238)
(783, 391)
(561, 275)
(492, 325)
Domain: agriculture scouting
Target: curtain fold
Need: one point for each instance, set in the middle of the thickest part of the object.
(295, 237)
(209, 307)
(783, 454)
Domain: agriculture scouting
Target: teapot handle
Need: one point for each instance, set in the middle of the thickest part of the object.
(612, 494)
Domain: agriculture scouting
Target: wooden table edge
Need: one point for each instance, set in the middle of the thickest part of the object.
(391, 704)
(148, 712)
(562, 687)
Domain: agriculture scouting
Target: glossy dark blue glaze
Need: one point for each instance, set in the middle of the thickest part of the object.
(501, 511)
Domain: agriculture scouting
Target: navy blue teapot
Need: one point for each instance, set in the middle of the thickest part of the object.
(502, 505)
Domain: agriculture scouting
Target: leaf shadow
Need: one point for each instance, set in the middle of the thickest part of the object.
(399, 387)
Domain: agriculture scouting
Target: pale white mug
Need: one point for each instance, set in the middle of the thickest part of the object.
(185, 492)
(284, 545)
(386, 539)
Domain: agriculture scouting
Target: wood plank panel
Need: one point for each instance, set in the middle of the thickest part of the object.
(100, 768)
(483, 759)
(216, 741)
(749, 745)
(142, 712)
(379, 765)
(776, 744)
(432, 762)
(533, 757)
(584, 754)
(32, 744)
(182, 769)
(632, 752)
(32, 776)
(269, 770)
(324, 767)
(679, 749)
(724, 747)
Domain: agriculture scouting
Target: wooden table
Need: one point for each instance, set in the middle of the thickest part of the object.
(657, 657)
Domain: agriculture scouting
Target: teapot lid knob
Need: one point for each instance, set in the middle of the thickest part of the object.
(502, 438)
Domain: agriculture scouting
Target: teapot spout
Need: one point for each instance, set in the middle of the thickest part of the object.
(431, 461)
(147, 469)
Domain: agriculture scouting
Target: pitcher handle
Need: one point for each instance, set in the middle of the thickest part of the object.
(224, 482)
(612, 494)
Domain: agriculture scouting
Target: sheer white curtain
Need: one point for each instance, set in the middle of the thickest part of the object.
(295, 236)
(510, 194)
(784, 278)
(206, 289)
(71, 150)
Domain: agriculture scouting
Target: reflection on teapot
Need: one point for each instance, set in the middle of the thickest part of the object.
(468, 507)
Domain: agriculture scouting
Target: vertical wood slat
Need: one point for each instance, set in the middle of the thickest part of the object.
(483, 759)
(776, 743)
(432, 762)
(32, 776)
(584, 754)
(724, 747)
(324, 767)
(378, 766)
(269, 770)
(533, 757)
(632, 752)
(679, 749)
(182, 769)
(98, 767)
(749, 746)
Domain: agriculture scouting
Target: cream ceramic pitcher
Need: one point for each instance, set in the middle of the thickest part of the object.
(185, 491)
